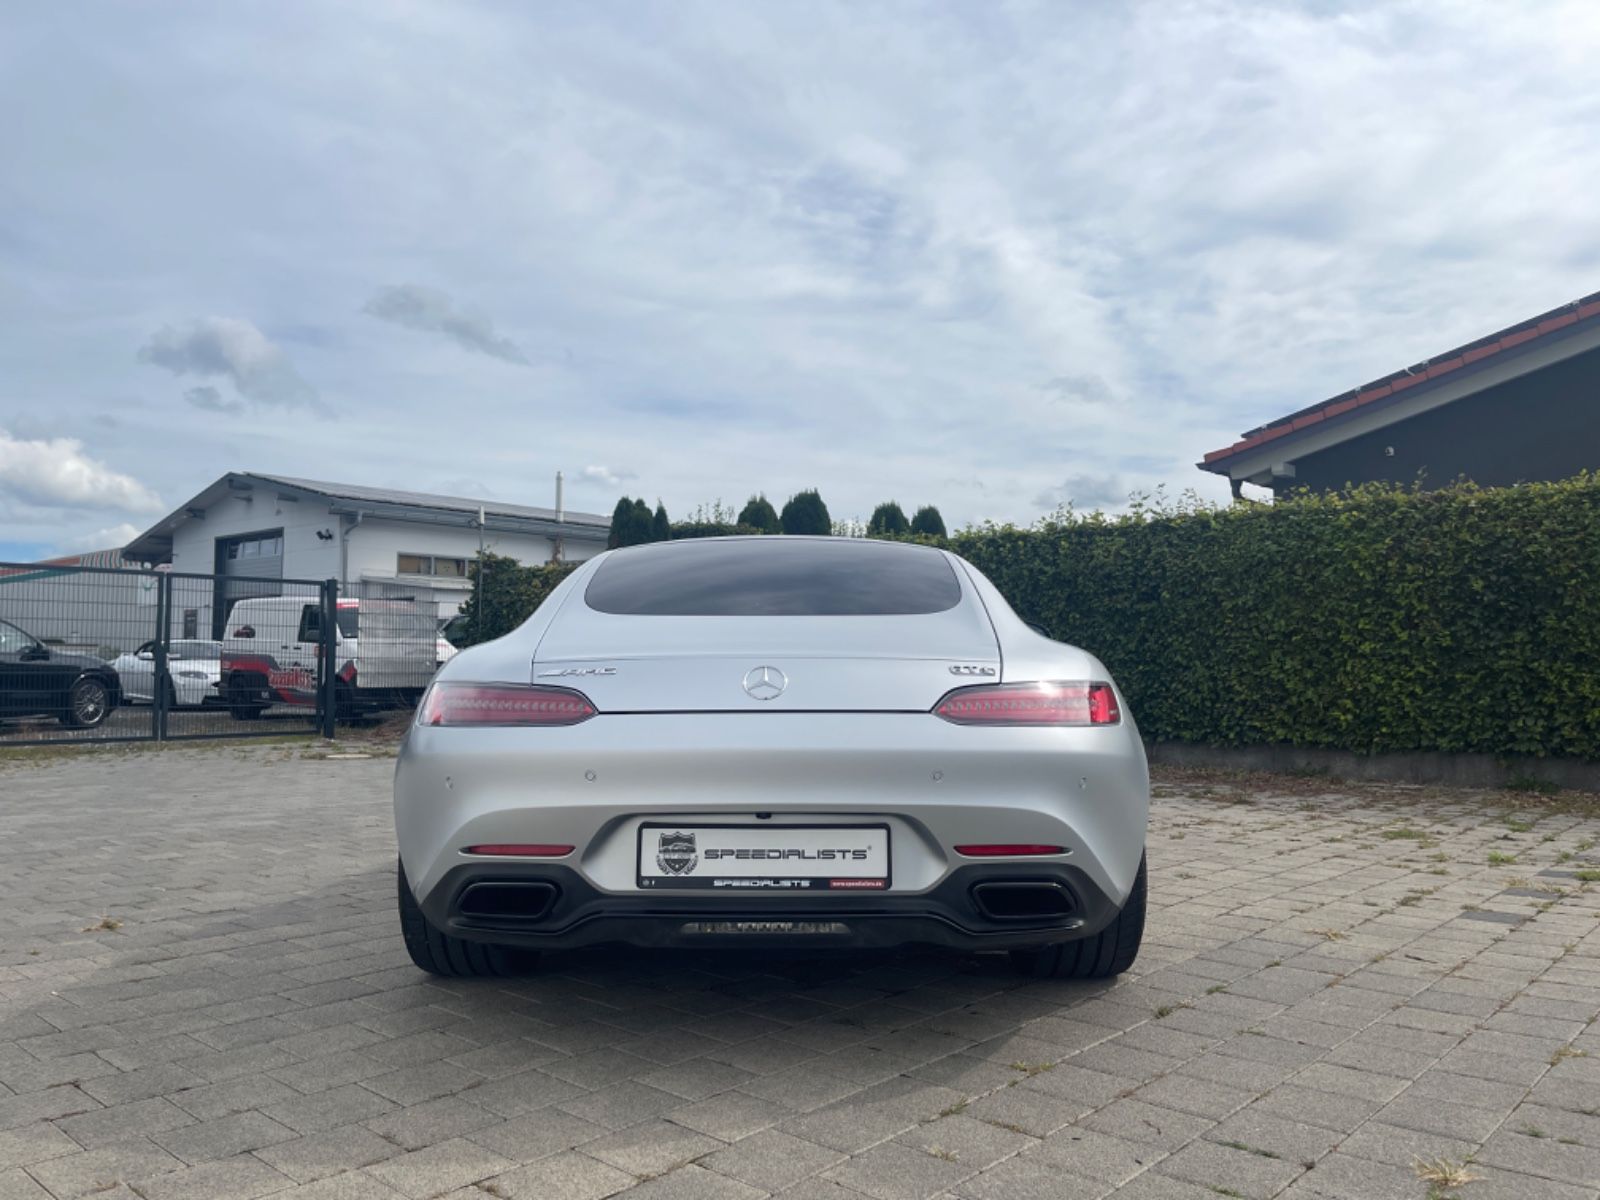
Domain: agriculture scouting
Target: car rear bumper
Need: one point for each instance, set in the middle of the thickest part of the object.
(562, 910)
(934, 785)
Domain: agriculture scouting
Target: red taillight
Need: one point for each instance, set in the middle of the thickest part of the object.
(1031, 704)
(521, 850)
(1008, 850)
(503, 704)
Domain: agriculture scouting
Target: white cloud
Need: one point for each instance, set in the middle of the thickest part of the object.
(836, 244)
(230, 348)
(57, 473)
(209, 399)
(607, 476)
(432, 311)
(111, 538)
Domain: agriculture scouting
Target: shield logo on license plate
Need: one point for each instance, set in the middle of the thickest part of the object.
(676, 854)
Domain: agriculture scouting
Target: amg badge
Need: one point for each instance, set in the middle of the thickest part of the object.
(675, 853)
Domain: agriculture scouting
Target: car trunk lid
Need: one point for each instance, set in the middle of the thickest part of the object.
(768, 664)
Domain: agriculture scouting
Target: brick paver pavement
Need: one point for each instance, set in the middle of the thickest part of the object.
(203, 995)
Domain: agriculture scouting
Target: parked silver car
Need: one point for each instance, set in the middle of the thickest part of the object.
(778, 740)
(193, 667)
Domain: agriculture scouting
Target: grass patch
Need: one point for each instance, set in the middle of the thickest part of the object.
(1499, 858)
(1443, 1172)
(1403, 834)
(106, 924)
(1587, 875)
(1031, 1069)
(1533, 784)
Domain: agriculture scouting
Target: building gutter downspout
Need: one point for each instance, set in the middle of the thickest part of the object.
(346, 524)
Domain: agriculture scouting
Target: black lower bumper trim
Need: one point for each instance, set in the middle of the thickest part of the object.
(947, 915)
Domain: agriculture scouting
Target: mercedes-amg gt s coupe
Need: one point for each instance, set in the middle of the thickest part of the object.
(803, 742)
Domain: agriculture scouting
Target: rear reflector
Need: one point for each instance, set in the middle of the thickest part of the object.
(521, 849)
(1008, 850)
(1031, 704)
(502, 704)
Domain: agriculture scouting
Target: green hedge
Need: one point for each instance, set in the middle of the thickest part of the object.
(1378, 620)
(504, 593)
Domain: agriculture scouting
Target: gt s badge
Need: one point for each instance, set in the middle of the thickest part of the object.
(675, 853)
(578, 671)
(965, 669)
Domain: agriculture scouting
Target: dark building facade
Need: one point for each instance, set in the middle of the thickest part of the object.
(1519, 405)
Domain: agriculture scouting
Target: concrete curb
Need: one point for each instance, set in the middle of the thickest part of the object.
(1453, 770)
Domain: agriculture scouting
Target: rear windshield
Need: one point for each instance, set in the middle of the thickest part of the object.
(774, 577)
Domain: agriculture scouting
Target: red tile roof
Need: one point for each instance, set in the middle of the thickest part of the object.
(1586, 309)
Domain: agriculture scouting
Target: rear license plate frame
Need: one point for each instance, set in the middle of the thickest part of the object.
(775, 884)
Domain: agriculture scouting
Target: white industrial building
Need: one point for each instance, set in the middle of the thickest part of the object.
(265, 527)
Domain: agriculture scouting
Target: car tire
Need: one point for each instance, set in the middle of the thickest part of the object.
(1109, 952)
(89, 703)
(440, 954)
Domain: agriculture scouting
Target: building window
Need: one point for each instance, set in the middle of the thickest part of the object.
(431, 564)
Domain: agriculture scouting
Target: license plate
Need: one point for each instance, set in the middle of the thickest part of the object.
(764, 857)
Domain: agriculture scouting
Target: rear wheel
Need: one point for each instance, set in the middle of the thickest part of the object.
(440, 954)
(88, 703)
(242, 692)
(1109, 952)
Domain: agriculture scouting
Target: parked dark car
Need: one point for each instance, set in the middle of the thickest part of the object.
(36, 680)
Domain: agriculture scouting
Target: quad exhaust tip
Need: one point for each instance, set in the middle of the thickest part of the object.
(1022, 900)
(507, 901)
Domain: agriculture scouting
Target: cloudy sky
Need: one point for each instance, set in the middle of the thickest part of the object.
(994, 256)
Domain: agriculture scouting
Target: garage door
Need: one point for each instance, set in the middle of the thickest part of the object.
(246, 566)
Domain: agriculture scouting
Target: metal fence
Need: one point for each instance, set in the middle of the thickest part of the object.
(105, 654)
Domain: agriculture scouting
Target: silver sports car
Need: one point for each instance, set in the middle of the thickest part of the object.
(773, 740)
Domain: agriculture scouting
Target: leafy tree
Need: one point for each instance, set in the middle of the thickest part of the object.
(806, 513)
(504, 594)
(660, 527)
(642, 523)
(631, 524)
(759, 514)
(621, 524)
(888, 520)
(928, 522)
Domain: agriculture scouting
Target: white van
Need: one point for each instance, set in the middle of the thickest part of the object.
(386, 652)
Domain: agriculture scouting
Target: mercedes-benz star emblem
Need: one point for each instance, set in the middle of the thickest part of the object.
(765, 683)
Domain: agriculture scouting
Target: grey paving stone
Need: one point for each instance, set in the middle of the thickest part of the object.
(1218, 1166)
(106, 1125)
(1028, 1177)
(729, 1116)
(433, 1121)
(896, 1171)
(349, 1185)
(94, 1170)
(1548, 1157)
(1085, 1153)
(439, 1168)
(567, 1176)
(242, 1178)
(1138, 1121)
(17, 1184)
(523, 1139)
(224, 1137)
(34, 1143)
(693, 1183)
(325, 1110)
(319, 1155)
(771, 1160)
(651, 1148)
(974, 1144)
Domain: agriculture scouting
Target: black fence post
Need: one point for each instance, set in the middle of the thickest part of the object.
(161, 671)
(327, 679)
